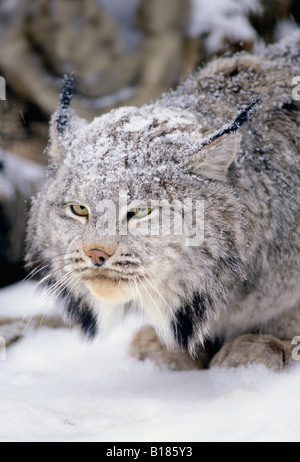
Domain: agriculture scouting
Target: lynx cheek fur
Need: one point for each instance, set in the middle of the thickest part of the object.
(241, 286)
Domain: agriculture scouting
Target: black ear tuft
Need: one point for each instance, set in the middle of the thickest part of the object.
(214, 155)
(65, 104)
(241, 119)
(244, 116)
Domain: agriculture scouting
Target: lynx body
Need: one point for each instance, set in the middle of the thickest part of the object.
(240, 287)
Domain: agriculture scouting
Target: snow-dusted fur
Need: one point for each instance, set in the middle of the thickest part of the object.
(245, 277)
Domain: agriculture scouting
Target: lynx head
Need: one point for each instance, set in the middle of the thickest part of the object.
(137, 212)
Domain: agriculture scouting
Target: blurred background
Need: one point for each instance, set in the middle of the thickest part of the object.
(124, 52)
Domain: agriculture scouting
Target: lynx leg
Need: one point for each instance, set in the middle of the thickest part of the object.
(254, 349)
(146, 345)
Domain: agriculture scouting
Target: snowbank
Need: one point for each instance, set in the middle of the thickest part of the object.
(56, 387)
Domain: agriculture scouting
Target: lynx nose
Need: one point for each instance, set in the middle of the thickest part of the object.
(98, 256)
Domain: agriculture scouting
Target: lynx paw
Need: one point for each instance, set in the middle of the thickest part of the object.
(254, 349)
(146, 345)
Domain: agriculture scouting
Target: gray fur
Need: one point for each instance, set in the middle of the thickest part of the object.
(245, 277)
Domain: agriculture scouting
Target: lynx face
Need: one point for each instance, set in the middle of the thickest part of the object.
(106, 225)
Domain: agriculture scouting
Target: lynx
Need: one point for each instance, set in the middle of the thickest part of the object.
(229, 137)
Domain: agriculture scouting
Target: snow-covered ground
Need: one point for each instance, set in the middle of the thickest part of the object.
(56, 387)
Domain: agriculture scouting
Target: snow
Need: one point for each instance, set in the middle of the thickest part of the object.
(121, 141)
(56, 387)
(221, 20)
(23, 300)
(285, 28)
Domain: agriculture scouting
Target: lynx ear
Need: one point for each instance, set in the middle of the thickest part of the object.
(61, 119)
(216, 153)
(214, 160)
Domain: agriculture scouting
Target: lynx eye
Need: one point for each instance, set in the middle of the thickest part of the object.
(140, 212)
(80, 210)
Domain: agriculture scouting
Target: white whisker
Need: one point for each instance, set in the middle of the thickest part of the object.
(42, 281)
(155, 289)
(138, 293)
(42, 266)
(45, 295)
(63, 286)
(154, 302)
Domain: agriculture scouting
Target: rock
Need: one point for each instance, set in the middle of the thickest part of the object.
(12, 330)
(224, 26)
(19, 180)
(271, 14)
